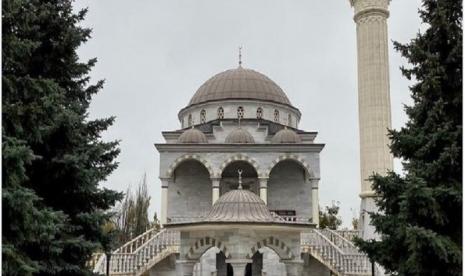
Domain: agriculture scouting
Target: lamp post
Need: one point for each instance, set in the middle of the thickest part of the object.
(108, 254)
(109, 229)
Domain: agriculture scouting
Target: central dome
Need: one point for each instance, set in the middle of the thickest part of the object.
(239, 83)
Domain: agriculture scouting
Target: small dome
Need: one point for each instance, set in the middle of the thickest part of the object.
(286, 136)
(239, 83)
(239, 136)
(192, 136)
(239, 206)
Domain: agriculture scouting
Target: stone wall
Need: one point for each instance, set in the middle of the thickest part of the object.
(288, 189)
(190, 192)
(166, 267)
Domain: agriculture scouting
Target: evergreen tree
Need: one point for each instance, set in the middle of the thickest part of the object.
(53, 157)
(420, 218)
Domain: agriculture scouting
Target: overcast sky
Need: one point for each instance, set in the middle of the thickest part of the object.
(155, 54)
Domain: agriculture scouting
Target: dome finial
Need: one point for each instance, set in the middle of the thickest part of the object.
(240, 56)
(240, 179)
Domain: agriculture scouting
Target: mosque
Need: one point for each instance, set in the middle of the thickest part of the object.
(240, 179)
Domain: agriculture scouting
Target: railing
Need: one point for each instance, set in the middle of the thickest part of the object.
(348, 234)
(332, 248)
(337, 253)
(133, 244)
(130, 259)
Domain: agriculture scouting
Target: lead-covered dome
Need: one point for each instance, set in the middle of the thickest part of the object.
(239, 206)
(192, 136)
(239, 136)
(286, 136)
(239, 83)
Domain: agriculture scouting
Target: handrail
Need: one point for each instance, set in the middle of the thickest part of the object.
(340, 255)
(128, 246)
(336, 252)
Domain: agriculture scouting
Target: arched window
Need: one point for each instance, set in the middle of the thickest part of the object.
(189, 120)
(289, 120)
(259, 113)
(276, 116)
(220, 112)
(203, 116)
(240, 112)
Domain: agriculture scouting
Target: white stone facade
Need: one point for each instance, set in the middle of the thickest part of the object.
(251, 109)
(373, 98)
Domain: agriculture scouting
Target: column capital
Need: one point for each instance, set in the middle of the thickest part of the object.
(165, 181)
(366, 8)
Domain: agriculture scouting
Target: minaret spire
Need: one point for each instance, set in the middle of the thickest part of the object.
(239, 172)
(240, 56)
(371, 17)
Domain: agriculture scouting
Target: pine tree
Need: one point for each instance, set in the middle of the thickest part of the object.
(420, 218)
(53, 156)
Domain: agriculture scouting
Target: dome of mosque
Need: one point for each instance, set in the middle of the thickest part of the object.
(239, 136)
(239, 83)
(239, 206)
(286, 136)
(192, 136)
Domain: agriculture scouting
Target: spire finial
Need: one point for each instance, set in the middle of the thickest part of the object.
(240, 179)
(240, 56)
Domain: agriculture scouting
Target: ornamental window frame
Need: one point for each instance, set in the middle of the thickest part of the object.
(276, 116)
(240, 112)
(259, 113)
(189, 120)
(203, 116)
(220, 113)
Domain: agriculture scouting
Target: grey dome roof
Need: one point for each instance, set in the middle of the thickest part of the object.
(192, 136)
(239, 83)
(239, 206)
(239, 136)
(286, 136)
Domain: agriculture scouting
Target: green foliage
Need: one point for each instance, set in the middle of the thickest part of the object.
(131, 216)
(329, 218)
(53, 157)
(420, 218)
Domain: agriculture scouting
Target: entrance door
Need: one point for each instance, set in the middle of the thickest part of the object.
(230, 270)
(248, 270)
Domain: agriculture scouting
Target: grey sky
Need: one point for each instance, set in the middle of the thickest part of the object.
(155, 54)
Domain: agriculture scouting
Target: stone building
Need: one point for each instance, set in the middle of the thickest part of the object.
(239, 186)
(240, 180)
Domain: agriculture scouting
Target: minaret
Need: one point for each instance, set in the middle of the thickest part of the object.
(373, 99)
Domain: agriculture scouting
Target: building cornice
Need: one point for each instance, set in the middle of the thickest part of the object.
(239, 147)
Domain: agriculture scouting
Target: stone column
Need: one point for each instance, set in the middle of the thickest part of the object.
(185, 267)
(215, 189)
(239, 266)
(263, 188)
(164, 199)
(373, 98)
(315, 201)
(294, 267)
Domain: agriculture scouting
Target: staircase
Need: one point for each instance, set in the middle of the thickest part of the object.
(138, 255)
(336, 252)
(332, 248)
